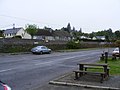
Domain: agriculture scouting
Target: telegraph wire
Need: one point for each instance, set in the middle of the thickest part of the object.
(29, 20)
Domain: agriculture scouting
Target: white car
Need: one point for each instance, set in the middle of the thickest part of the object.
(40, 50)
(115, 52)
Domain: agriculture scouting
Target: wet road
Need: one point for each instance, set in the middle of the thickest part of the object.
(28, 71)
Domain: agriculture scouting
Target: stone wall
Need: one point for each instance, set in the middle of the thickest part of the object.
(25, 45)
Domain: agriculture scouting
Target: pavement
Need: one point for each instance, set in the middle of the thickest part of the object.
(87, 82)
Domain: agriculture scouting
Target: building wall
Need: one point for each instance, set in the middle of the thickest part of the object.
(26, 35)
(20, 33)
(49, 38)
(9, 35)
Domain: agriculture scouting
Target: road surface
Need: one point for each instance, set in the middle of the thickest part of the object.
(28, 71)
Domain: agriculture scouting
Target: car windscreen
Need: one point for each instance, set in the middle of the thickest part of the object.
(117, 49)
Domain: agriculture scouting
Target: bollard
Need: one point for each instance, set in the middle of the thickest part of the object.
(106, 57)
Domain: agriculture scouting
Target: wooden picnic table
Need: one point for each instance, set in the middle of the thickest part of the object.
(83, 69)
(83, 65)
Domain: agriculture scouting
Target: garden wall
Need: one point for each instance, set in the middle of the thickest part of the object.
(25, 45)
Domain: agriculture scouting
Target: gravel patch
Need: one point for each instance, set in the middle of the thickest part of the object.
(90, 80)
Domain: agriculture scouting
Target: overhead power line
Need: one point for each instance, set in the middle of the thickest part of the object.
(29, 20)
(6, 26)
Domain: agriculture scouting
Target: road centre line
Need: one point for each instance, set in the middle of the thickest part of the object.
(58, 60)
(6, 70)
(47, 63)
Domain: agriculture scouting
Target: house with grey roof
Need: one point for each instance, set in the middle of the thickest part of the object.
(99, 38)
(16, 32)
(51, 35)
(61, 35)
(43, 34)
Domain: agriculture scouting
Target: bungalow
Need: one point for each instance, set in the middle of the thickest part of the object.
(16, 32)
(50, 35)
(43, 34)
(61, 35)
(99, 38)
(83, 37)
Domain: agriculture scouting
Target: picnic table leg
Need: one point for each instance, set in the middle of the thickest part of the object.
(102, 75)
(106, 71)
(85, 68)
(81, 68)
(76, 75)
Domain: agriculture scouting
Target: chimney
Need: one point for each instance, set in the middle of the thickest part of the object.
(13, 26)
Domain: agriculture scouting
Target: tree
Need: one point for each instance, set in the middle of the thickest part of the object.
(31, 29)
(68, 27)
(73, 28)
(107, 38)
(80, 30)
(91, 35)
(1, 33)
(117, 34)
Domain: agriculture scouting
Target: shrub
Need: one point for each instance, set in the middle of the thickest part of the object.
(73, 45)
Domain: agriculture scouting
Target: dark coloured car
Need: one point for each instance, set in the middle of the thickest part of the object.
(40, 50)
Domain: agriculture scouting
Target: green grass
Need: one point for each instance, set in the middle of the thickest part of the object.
(114, 66)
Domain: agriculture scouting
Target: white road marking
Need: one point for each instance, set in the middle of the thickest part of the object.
(48, 62)
(6, 70)
(59, 60)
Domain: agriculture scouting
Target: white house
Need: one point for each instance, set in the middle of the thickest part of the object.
(99, 38)
(83, 37)
(16, 32)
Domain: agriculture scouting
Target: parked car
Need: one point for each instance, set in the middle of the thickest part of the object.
(40, 50)
(4, 86)
(115, 52)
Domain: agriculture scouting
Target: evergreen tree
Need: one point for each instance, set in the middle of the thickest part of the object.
(69, 28)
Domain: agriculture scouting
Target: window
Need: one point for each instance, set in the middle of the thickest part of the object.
(43, 47)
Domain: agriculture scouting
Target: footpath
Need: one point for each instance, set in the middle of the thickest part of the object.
(87, 82)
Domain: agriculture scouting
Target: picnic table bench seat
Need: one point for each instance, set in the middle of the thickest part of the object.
(79, 73)
(94, 67)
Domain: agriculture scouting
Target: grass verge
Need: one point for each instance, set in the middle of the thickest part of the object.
(114, 66)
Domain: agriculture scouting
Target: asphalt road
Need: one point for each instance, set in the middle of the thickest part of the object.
(28, 71)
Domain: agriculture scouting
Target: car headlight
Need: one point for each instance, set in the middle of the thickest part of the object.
(36, 50)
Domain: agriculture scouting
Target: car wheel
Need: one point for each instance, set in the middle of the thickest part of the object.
(49, 52)
(41, 52)
(33, 52)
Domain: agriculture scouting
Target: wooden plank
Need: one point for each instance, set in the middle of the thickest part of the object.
(93, 64)
(79, 71)
(86, 72)
(95, 67)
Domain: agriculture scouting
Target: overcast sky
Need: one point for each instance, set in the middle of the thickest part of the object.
(90, 15)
